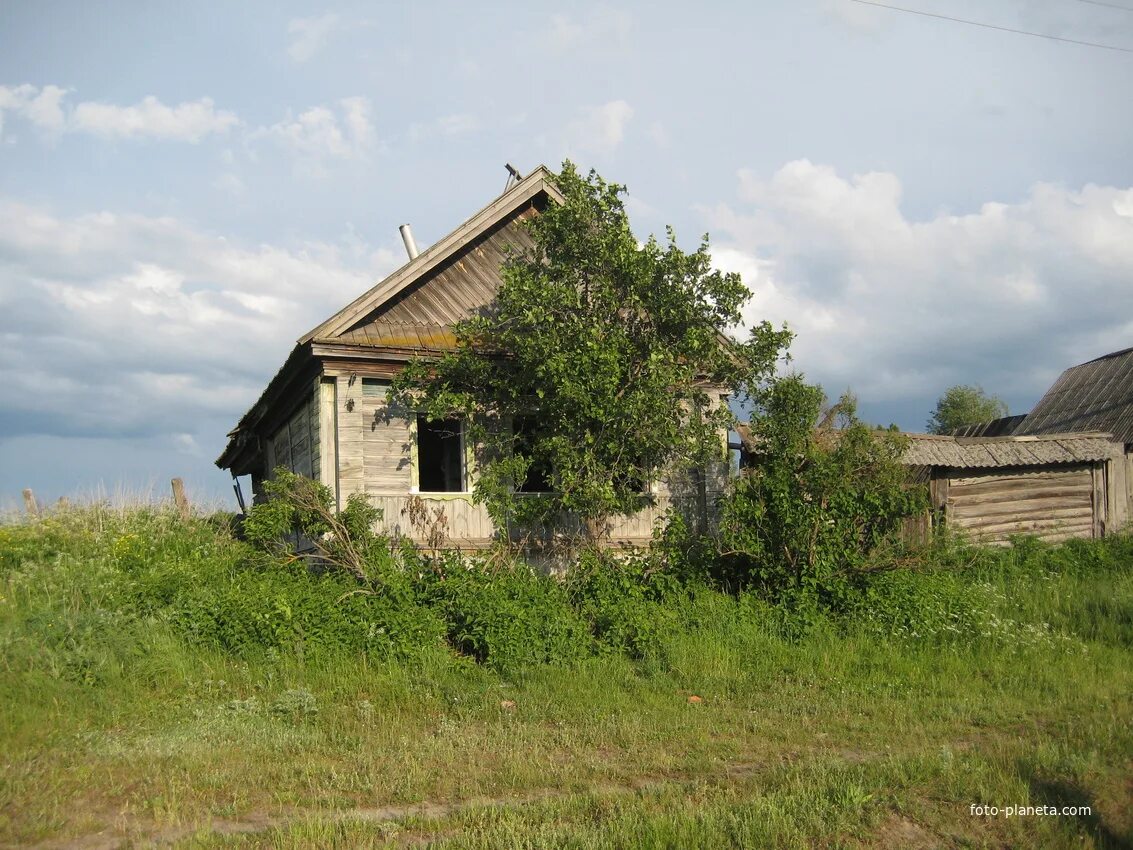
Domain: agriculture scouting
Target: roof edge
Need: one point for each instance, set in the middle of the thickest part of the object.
(541, 180)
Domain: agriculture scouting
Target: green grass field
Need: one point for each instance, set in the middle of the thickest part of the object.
(122, 726)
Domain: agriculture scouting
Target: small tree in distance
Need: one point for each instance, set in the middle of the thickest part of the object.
(964, 405)
(603, 348)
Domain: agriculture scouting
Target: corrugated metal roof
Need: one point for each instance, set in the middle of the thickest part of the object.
(1093, 396)
(966, 452)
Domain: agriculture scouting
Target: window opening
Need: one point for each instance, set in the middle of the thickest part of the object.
(538, 478)
(440, 455)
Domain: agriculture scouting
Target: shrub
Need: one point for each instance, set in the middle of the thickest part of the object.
(504, 617)
(266, 605)
(818, 502)
(300, 509)
(629, 604)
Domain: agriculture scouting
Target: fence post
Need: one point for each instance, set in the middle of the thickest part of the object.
(179, 498)
(30, 504)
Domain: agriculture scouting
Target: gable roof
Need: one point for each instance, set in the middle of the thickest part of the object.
(476, 232)
(410, 311)
(1093, 396)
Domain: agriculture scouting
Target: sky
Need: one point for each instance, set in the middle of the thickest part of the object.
(185, 189)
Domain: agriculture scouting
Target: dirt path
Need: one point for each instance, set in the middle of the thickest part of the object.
(141, 834)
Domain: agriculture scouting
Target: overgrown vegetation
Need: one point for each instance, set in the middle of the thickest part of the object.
(882, 680)
(591, 374)
(159, 674)
(824, 494)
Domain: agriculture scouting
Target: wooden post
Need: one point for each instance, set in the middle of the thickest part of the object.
(179, 498)
(30, 504)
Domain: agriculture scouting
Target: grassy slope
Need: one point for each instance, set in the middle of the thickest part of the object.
(114, 725)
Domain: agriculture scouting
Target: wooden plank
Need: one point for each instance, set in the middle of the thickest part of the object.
(990, 497)
(328, 436)
(1048, 475)
(180, 500)
(1099, 502)
(1075, 515)
(1118, 485)
(1026, 527)
(938, 491)
(1080, 503)
(31, 507)
(1007, 485)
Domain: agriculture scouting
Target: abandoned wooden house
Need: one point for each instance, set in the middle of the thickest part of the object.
(324, 414)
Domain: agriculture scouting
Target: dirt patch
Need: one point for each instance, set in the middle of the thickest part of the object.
(900, 832)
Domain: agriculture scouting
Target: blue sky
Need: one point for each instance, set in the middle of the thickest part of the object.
(186, 188)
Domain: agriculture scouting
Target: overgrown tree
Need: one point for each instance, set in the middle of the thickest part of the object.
(964, 405)
(591, 369)
(824, 491)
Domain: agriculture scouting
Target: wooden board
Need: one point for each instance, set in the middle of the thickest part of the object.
(1049, 503)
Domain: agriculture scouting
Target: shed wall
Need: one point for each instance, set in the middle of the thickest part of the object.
(1052, 503)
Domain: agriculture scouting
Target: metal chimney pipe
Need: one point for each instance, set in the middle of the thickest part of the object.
(407, 238)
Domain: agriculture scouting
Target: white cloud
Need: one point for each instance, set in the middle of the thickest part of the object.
(447, 126)
(44, 109)
(600, 129)
(1006, 296)
(189, 122)
(310, 35)
(321, 133)
(125, 325)
(602, 26)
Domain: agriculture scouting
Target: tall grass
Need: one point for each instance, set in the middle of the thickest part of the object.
(156, 674)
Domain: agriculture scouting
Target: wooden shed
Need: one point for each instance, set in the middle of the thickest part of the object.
(1054, 486)
(324, 414)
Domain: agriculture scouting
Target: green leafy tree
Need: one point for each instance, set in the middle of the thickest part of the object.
(823, 492)
(964, 405)
(604, 349)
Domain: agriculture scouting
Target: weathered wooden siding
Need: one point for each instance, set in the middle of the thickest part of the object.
(1053, 503)
(468, 525)
(373, 455)
(1122, 487)
(295, 444)
(375, 450)
(327, 435)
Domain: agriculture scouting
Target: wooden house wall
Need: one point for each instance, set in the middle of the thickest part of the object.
(374, 452)
(295, 444)
(1053, 502)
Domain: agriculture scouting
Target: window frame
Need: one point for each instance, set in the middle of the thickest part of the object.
(463, 452)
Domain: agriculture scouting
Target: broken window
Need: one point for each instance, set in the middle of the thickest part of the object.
(440, 455)
(538, 478)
